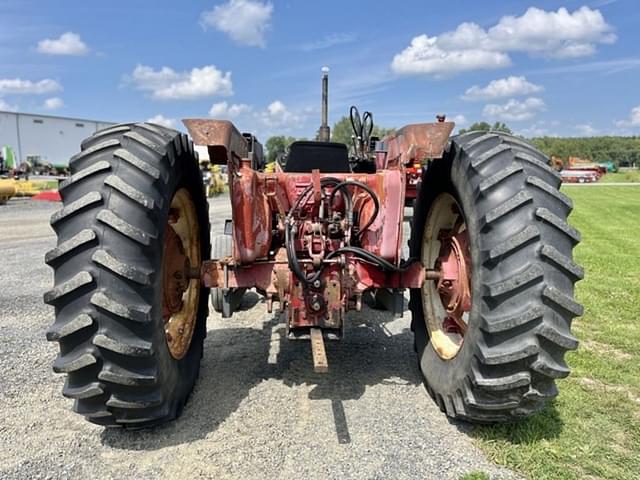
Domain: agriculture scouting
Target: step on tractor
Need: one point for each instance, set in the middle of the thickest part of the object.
(489, 272)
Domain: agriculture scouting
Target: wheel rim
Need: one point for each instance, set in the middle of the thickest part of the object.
(180, 266)
(447, 302)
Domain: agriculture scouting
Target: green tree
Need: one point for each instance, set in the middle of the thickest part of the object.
(342, 131)
(382, 132)
(277, 146)
(485, 127)
(619, 150)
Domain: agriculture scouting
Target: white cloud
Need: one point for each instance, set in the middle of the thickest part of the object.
(7, 107)
(329, 41)
(163, 121)
(223, 110)
(425, 57)
(587, 130)
(245, 21)
(558, 34)
(18, 86)
(514, 110)
(632, 121)
(275, 118)
(502, 88)
(277, 115)
(537, 129)
(167, 84)
(460, 120)
(53, 103)
(68, 43)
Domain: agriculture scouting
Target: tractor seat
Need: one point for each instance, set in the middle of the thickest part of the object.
(328, 157)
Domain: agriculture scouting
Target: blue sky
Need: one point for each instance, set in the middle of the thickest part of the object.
(567, 68)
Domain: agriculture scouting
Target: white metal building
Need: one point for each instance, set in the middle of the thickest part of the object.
(53, 139)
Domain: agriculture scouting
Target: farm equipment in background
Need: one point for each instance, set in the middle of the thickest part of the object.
(556, 163)
(608, 167)
(579, 176)
(13, 177)
(35, 165)
(582, 171)
(8, 189)
(578, 170)
(211, 178)
(490, 267)
(38, 189)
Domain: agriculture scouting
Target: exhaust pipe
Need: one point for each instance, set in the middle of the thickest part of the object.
(324, 134)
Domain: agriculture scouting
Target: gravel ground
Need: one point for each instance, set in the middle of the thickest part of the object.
(258, 409)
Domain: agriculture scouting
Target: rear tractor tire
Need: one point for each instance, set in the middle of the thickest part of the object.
(130, 312)
(492, 332)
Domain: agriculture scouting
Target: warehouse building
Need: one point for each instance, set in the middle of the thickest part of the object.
(49, 139)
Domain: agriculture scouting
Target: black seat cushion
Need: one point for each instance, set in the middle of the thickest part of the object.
(328, 157)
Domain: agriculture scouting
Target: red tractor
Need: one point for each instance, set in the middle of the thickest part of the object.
(490, 268)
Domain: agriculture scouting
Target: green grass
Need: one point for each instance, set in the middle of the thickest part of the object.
(45, 184)
(629, 176)
(475, 476)
(592, 430)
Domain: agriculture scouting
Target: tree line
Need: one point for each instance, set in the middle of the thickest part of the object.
(622, 151)
(619, 150)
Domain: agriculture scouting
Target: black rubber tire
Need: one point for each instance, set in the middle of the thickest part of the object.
(523, 279)
(107, 276)
(221, 246)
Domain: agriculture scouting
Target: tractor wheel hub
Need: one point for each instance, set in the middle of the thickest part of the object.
(180, 282)
(447, 302)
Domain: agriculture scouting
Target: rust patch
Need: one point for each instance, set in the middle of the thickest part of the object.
(174, 280)
(222, 138)
(414, 143)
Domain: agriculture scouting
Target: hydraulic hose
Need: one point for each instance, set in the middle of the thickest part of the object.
(374, 197)
(367, 255)
(289, 239)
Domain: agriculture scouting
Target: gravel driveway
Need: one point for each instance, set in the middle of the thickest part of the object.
(258, 410)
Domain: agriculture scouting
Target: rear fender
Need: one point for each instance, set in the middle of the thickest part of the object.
(417, 142)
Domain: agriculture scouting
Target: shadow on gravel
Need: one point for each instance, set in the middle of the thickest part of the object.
(250, 300)
(238, 359)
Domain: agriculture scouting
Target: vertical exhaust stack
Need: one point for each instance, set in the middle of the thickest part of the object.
(324, 134)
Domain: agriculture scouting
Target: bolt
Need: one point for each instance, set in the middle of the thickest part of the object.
(315, 306)
(317, 283)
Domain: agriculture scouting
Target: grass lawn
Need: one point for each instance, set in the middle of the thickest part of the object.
(630, 176)
(592, 430)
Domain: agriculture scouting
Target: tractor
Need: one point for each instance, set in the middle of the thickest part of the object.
(489, 272)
